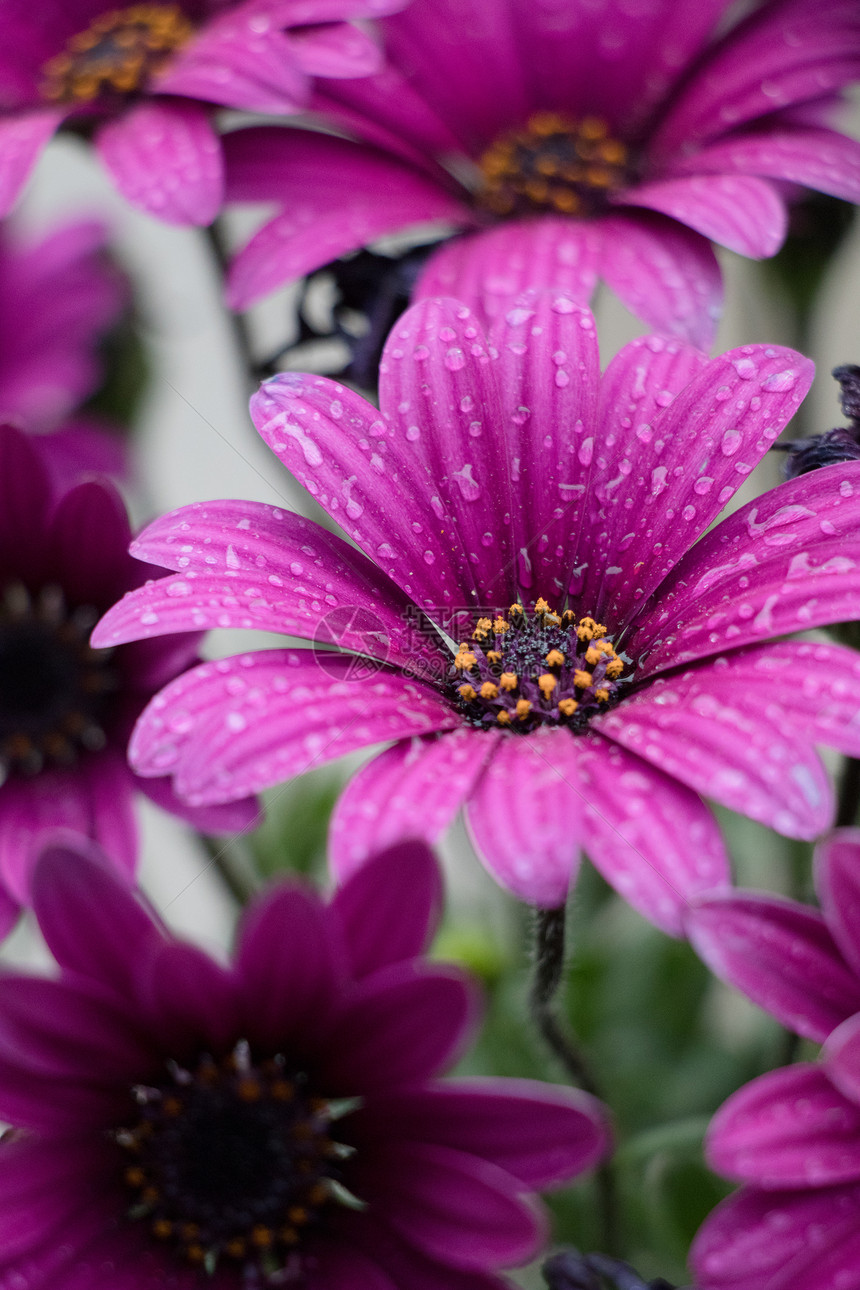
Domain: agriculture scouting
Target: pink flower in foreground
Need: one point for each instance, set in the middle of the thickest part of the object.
(571, 141)
(792, 1136)
(275, 1122)
(505, 479)
(58, 297)
(147, 77)
(66, 710)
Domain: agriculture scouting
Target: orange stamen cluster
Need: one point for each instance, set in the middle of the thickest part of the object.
(117, 54)
(522, 670)
(555, 163)
(233, 1160)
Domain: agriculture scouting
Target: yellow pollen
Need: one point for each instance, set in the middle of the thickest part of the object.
(602, 695)
(567, 707)
(467, 692)
(581, 679)
(162, 1229)
(500, 626)
(318, 1194)
(614, 668)
(288, 1235)
(195, 1253)
(189, 1231)
(482, 626)
(489, 690)
(298, 1215)
(171, 1106)
(592, 127)
(508, 680)
(541, 606)
(592, 655)
(523, 709)
(135, 1176)
(464, 660)
(547, 683)
(493, 656)
(249, 1090)
(118, 53)
(515, 609)
(282, 1090)
(235, 1248)
(555, 658)
(150, 1195)
(262, 1236)
(503, 718)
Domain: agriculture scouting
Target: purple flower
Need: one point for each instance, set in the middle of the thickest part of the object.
(536, 618)
(146, 78)
(279, 1120)
(580, 140)
(793, 1135)
(66, 710)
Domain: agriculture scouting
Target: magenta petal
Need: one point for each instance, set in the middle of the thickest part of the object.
(290, 964)
(782, 1241)
(412, 790)
(549, 424)
(710, 739)
(837, 882)
(842, 1058)
(24, 500)
(206, 725)
(780, 954)
(93, 924)
(225, 817)
(43, 1184)
(820, 159)
(407, 1265)
(789, 1128)
(389, 910)
(740, 212)
(22, 138)
(336, 50)
(524, 817)
(89, 536)
(401, 1025)
(193, 1001)
(541, 1134)
(345, 1268)
(165, 158)
(490, 269)
(32, 1099)
(82, 448)
(663, 272)
(454, 1207)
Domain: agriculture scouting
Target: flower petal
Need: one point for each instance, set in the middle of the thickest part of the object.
(22, 138)
(206, 725)
(224, 817)
(707, 736)
(837, 882)
(524, 816)
(780, 954)
(489, 269)
(24, 500)
(89, 536)
(549, 396)
(412, 790)
(389, 909)
(542, 1134)
(193, 1001)
(740, 212)
(820, 159)
(842, 1058)
(453, 1206)
(44, 1184)
(165, 158)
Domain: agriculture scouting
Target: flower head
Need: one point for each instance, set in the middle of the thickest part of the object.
(66, 710)
(275, 1122)
(792, 1136)
(534, 619)
(146, 78)
(569, 141)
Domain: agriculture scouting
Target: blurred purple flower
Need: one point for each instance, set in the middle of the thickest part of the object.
(581, 140)
(275, 1122)
(58, 296)
(793, 1135)
(497, 472)
(146, 78)
(66, 710)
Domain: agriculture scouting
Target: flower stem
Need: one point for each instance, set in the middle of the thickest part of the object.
(549, 948)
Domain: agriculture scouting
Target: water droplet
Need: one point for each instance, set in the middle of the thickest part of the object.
(455, 359)
(731, 441)
(780, 381)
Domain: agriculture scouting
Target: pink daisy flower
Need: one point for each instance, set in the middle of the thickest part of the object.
(535, 617)
(275, 1122)
(66, 711)
(570, 140)
(793, 1135)
(146, 77)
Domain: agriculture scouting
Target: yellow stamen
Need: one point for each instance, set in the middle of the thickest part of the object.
(581, 679)
(592, 655)
(515, 609)
(467, 692)
(555, 658)
(547, 684)
(567, 707)
(482, 626)
(508, 680)
(493, 656)
(614, 668)
(601, 694)
(161, 1229)
(503, 718)
(541, 606)
(464, 660)
(523, 709)
(262, 1236)
(501, 625)
(489, 690)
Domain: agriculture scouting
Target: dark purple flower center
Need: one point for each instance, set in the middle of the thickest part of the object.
(54, 689)
(234, 1160)
(523, 670)
(117, 54)
(555, 163)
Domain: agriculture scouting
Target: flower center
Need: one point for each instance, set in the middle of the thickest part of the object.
(555, 164)
(522, 671)
(54, 689)
(117, 54)
(234, 1160)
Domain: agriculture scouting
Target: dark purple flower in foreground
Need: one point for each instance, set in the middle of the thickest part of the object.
(793, 1135)
(572, 141)
(66, 710)
(276, 1122)
(146, 78)
(535, 617)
